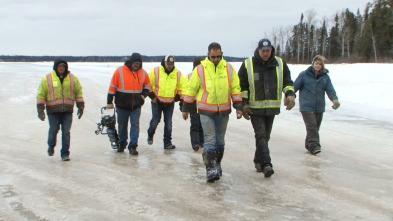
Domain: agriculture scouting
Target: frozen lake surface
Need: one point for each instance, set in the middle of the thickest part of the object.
(351, 179)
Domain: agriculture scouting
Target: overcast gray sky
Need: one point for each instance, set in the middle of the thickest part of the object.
(150, 27)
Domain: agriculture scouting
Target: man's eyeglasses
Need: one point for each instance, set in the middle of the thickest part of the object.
(137, 63)
(214, 57)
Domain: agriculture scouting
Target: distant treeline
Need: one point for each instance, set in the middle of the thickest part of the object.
(22, 58)
(345, 37)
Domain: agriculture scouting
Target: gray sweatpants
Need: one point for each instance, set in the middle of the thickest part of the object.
(313, 122)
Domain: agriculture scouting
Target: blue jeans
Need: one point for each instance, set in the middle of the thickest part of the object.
(214, 128)
(157, 109)
(55, 120)
(122, 120)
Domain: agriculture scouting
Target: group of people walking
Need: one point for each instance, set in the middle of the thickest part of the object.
(206, 94)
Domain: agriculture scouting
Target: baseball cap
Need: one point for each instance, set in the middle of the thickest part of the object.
(265, 44)
(169, 59)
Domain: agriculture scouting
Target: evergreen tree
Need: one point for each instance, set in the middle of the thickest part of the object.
(381, 22)
(334, 41)
(322, 37)
(350, 28)
(358, 35)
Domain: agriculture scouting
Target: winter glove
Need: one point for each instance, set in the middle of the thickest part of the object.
(80, 113)
(41, 115)
(336, 104)
(177, 98)
(289, 102)
(247, 111)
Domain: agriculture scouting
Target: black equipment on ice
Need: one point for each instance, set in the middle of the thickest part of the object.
(108, 122)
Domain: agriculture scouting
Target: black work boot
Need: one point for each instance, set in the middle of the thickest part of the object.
(122, 146)
(133, 150)
(258, 166)
(268, 170)
(316, 150)
(220, 154)
(149, 139)
(65, 158)
(210, 160)
(169, 146)
(51, 151)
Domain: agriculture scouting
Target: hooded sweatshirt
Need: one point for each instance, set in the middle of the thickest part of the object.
(57, 63)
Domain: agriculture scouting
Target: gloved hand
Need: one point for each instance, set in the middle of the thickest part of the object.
(336, 104)
(247, 111)
(289, 102)
(177, 98)
(41, 115)
(79, 113)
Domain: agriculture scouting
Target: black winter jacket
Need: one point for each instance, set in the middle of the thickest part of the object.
(265, 82)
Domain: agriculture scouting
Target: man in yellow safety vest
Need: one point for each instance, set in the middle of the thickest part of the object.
(263, 79)
(213, 84)
(58, 92)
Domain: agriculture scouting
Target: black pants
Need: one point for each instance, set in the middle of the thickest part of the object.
(313, 122)
(262, 128)
(196, 131)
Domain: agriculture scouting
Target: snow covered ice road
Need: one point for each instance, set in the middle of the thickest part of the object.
(351, 179)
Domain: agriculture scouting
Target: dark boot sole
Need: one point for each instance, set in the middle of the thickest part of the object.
(213, 177)
(134, 152)
(51, 151)
(269, 173)
(316, 152)
(65, 159)
(212, 180)
(170, 147)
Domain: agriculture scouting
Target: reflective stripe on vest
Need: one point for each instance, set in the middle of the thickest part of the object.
(177, 81)
(265, 103)
(156, 90)
(72, 86)
(157, 72)
(147, 86)
(213, 107)
(201, 73)
(203, 104)
(50, 87)
(237, 97)
(122, 84)
(52, 101)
